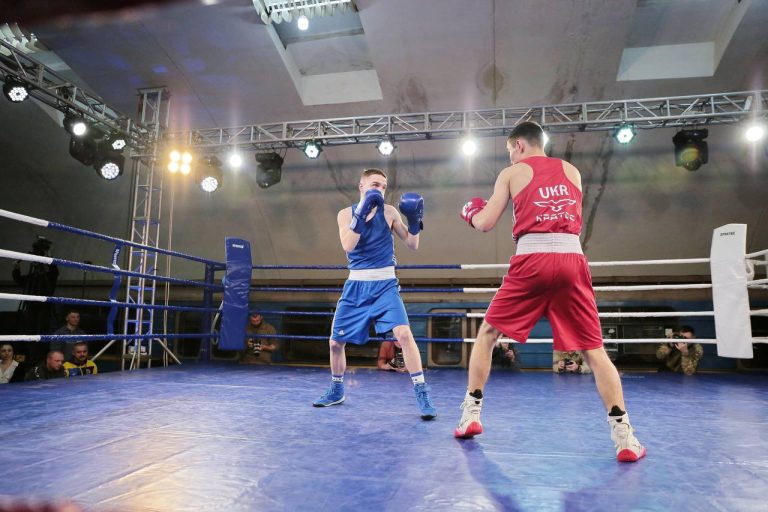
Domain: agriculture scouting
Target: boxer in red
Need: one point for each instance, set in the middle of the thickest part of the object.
(548, 276)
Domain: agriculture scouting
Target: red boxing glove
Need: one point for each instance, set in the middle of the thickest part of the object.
(470, 209)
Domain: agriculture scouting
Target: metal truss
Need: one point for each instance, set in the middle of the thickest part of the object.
(54, 90)
(678, 111)
(277, 11)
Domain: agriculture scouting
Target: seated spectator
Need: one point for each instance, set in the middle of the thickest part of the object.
(79, 364)
(505, 356)
(390, 357)
(51, 369)
(71, 326)
(10, 369)
(681, 355)
(569, 362)
(259, 350)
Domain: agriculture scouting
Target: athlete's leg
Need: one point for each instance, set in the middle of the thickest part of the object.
(411, 354)
(479, 369)
(606, 377)
(412, 359)
(338, 357)
(628, 448)
(480, 360)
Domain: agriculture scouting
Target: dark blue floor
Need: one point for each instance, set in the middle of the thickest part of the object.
(241, 438)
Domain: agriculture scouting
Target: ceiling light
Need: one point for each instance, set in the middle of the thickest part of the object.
(15, 91)
(312, 149)
(75, 125)
(110, 167)
(468, 146)
(116, 141)
(269, 169)
(83, 149)
(302, 22)
(235, 160)
(385, 147)
(210, 175)
(624, 133)
(754, 133)
(691, 150)
(179, 161)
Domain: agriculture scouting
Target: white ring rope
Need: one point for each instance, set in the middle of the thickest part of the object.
(598, 263)
(629, 288)
(751, 255)
(24, 218)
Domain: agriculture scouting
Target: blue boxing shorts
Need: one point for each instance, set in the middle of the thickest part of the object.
(364, 301)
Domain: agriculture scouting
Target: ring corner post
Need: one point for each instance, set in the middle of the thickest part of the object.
(730, 295)
(237, 290)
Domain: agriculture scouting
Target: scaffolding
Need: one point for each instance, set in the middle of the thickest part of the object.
(649, 113)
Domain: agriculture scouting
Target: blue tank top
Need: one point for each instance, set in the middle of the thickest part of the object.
(376, 248)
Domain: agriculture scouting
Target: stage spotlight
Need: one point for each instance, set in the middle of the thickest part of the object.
(691, 150)
(15, 91)
(754, 133)
(83, 149)
(468, 145)
(312, 149)
(210, 175)
(624, 133)
(235, 160)
(179, 162)
(75, 125)
(386, 147)
(302, 22)
(116, 141)
(110, 166)
(269, 169)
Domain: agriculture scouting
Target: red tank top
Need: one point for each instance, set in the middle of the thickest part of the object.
(550, 203)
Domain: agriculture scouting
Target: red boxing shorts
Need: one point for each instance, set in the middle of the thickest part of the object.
(555, 285)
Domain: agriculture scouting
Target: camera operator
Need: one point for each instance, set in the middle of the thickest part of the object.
(36, 317)
(569, 362)
(681, 356)
(259, 350)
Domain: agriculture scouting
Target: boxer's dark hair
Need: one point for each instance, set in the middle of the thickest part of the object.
(369, 172)
(530, 131)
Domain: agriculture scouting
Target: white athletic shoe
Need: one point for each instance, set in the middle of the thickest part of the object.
(469, 425)
(628, 448)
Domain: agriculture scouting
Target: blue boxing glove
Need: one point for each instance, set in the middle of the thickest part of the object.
(412, 206)
(372, 199)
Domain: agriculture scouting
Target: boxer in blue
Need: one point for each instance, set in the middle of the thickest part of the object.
(372, 292)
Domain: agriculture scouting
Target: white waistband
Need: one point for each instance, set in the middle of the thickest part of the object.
(549, 242)
(372, 274)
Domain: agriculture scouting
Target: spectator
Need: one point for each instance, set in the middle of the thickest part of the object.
(36, 317)
(50, 369)
(390, 357)
(681, 356)
(569, 362)
(70, 327)
(259, 350)
(10, 369)
(79, 364)
(505, 356)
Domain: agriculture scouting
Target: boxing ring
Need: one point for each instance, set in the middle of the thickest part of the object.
(219, 436)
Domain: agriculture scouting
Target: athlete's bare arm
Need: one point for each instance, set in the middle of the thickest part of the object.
(348, 237)
(510, 181)
(399, 228)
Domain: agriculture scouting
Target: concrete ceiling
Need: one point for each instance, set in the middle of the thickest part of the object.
(224, 68)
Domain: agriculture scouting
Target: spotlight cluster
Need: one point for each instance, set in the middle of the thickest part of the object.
(91, 147)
